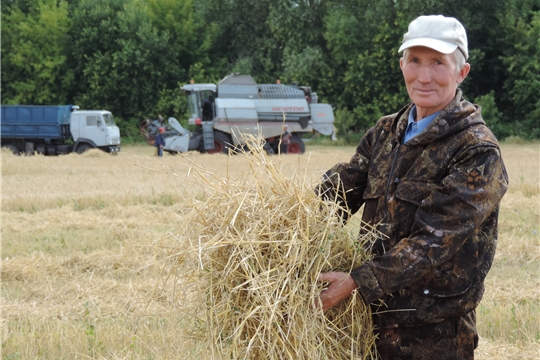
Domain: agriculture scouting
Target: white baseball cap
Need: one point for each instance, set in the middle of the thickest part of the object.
(437, 32)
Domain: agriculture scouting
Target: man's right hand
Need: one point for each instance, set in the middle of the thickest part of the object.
(340, 287)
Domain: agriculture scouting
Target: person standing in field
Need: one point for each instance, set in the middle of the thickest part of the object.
(159, 141)
(285, 140)
(431, 179)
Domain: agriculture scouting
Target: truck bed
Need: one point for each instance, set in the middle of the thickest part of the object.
(35, 121)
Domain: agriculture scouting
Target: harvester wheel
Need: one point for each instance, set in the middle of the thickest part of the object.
(296, 146)
(269, 149)
(222, 143)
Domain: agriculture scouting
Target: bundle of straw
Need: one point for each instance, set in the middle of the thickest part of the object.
(255, 247)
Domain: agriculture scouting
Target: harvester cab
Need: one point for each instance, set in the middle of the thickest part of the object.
(201, 102)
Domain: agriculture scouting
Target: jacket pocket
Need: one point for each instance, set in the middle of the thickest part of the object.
(375, 188)
(414, 191)
(445, 285)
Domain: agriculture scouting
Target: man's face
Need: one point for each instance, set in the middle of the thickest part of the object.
(431, 78)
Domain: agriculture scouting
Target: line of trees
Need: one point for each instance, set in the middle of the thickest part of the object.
(132, 56)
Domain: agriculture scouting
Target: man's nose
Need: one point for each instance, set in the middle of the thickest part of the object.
(424, 74)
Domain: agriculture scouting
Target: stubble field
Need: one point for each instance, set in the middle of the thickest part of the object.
(85, 238)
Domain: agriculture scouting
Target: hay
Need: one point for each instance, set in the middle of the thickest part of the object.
(94, 153)
(250, 260)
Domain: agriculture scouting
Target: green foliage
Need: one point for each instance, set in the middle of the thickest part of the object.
(374, 80)
(298, 27)
(491, 115)
(345, 122)
(304, 67)
(144, 55)
(132, 56)
(243, 65)
(243, 38)
(343, 35)
(523, 80)
(34, 69)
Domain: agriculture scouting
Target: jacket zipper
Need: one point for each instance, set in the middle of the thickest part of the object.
(391, 175)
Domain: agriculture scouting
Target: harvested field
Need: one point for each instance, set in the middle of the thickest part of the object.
(85, 240)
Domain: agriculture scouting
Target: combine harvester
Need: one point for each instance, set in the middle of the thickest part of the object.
(238, 106)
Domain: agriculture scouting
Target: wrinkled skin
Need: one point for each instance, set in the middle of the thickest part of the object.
(431, 78)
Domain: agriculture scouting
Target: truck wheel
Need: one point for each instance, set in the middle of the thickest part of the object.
(296, 146)
(82, 148)
(222, 143)
(12, 148)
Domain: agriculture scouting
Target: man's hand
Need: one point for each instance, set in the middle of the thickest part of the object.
(340, 287)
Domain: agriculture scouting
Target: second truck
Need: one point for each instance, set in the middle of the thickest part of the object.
(237, 105)
(56, 130)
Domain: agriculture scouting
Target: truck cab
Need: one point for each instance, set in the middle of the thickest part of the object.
(95, 127)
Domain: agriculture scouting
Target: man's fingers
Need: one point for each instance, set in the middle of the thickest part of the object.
(326, 276)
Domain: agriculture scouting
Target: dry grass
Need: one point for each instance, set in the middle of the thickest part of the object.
(84, 240)
(253, 250)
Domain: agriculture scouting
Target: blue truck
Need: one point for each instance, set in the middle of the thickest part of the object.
(56, 130)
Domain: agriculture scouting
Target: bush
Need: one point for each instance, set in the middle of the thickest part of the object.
(492, 115)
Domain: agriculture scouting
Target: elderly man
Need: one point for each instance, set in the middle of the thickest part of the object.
(431, 179)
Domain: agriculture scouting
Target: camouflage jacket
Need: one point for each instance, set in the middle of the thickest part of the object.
(435, 201)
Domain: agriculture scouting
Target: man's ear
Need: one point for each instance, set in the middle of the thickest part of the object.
(463, 73)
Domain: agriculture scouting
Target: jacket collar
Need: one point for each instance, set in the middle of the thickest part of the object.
(456, 116)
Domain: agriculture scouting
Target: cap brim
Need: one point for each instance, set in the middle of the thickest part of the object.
(437, 45)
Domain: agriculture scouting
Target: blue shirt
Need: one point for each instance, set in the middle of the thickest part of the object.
(416, 127)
